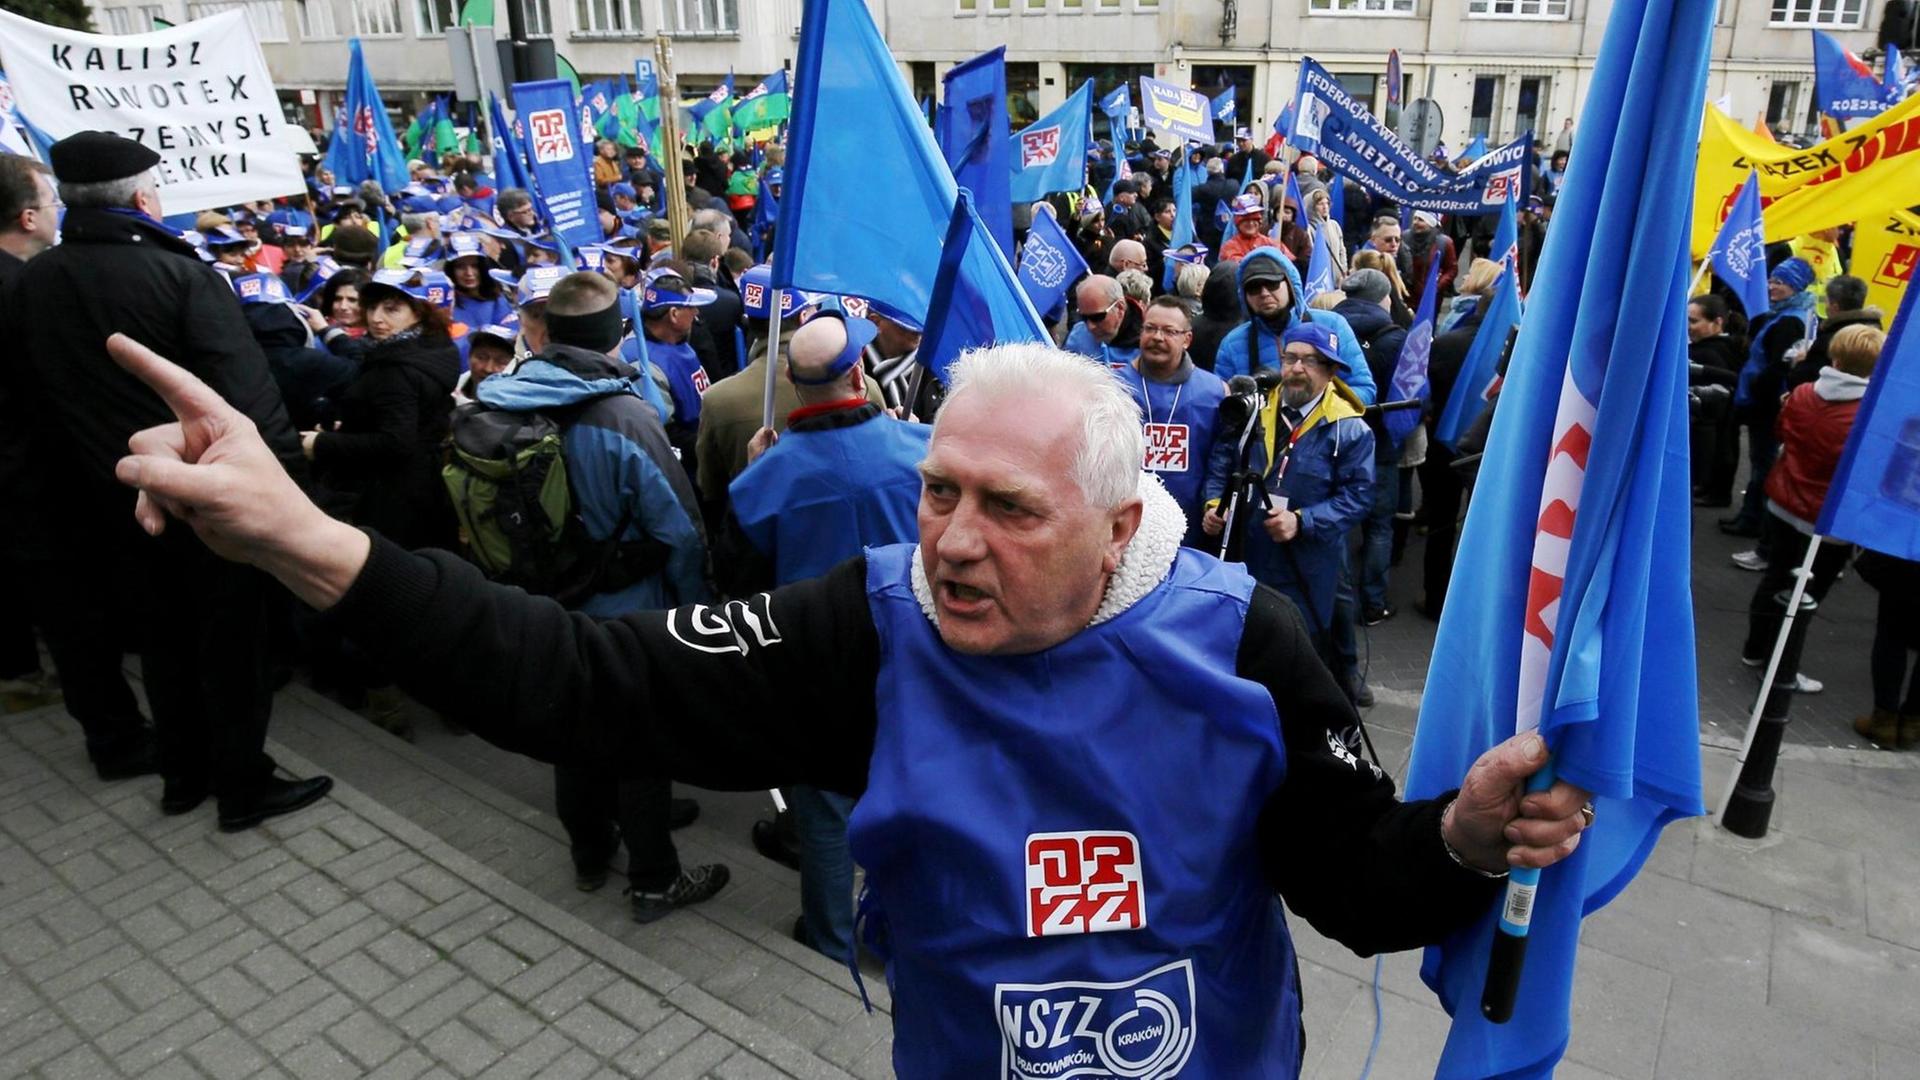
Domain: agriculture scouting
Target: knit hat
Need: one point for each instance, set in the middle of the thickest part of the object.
(1321, 338)
(1794, 273)
(98, 157)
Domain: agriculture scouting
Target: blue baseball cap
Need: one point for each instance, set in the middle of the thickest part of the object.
(756, 284)
(431, 286)
(294, 231)
(323, 268)
(503, 334)
(774, 176)
(590, 257)
(664, 288)
(222, 236)
(419, 251)
(466, 245)
(534, 285)
(260, 289)
(1321, 338)
(623, 188)
(860, 334)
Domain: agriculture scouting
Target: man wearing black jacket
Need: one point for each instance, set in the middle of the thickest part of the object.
(1021, 655)
(201, 623)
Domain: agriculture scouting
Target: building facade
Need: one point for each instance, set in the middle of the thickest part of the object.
(1494, 67)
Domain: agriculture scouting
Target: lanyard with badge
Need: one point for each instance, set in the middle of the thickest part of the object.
(1168, 448)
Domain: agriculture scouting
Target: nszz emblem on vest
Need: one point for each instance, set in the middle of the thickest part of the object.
(1084, 883)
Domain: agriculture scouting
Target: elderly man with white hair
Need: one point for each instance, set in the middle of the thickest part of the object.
(1090, 763)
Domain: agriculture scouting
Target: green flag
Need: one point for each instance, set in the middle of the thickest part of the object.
(767, 105)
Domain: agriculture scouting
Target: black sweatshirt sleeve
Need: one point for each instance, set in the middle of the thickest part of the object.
(1344, 853)
(770, 690)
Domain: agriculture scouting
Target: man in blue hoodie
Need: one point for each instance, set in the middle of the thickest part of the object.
(633, 496)
(1270, 295)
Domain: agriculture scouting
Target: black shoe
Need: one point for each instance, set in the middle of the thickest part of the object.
(1713, 501)
(696, 883)
(141, 757)
(1739, 526)
(1376, 616)
(800, 931)
(682, 813)
(272, 799)
(589, 880)
(769, 841)
(181, 796)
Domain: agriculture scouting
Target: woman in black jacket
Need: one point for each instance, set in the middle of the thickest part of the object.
(381, 460)
(1714, 356)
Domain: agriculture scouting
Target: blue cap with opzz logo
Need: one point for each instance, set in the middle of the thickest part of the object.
(431, 286)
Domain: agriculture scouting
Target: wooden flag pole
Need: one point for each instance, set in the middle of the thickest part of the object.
(670, 141)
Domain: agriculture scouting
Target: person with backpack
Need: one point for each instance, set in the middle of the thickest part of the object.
(564, 484)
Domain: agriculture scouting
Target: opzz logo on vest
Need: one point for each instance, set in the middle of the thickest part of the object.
(1084, 883)
(1142, 1029)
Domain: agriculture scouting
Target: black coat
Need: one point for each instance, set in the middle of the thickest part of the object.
(712, 338)
(1220, 312)
(382, 468)
(1380, 338)
(122, 272)
(1448, 354)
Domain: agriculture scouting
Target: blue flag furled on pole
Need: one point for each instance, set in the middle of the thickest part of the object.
(1337, 204)
(555, 150)
(835, 221)
(1319, 268)
(1479, 379)
(1874, 500)
(1580, 621)
(1175, 110)
(1049, 263)
(1224, 110)
(1183, 224)
(766, 213)
(1843, 84)
(1410, 379)
(1506, 238)
(1331, 125)
(509, 164)
(1050, 154)
(1740, 251)
(974, 138)
(363, 148)
(976, 300)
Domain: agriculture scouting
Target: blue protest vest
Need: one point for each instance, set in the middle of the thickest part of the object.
(1180, 418)
(685, 378)
(817, 497)
(1063, 844)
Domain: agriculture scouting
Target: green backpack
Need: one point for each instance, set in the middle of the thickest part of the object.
(507, 475)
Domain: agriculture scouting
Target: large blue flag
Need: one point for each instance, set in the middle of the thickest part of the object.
(1049, 263)
(363, 148)
(509, 164)
(1479, 379)
(977, 301)
(1843, 84)
(973, 136)
(1874, 500)
(1051, 153)
(841, 232)
(1739, 253)
(1224, 109)
(1410, 379)
(1579, 622)
(1176, 110)
(555, 153)
(1319, 267)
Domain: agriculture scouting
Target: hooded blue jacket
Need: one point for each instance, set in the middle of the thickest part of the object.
(1253, 338)
(619, 465)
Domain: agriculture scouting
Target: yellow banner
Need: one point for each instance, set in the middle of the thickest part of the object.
(1884, 253)
(1859, 175)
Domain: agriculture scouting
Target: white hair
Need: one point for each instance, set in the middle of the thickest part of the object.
(109, 193)
(1136, 284)
(1107, 465)
(1191, 281)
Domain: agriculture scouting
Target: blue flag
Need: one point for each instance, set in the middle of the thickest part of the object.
(1843, 84)
(1292, 198)
(974, 138)
(555, 151)
(1176, 110)
(1183, 225)
(1479, 377)
(840, 231)
(1506, 238)
(1739, 253)
(1410, 378)
(1223, 107)
(509, 164)
(1319, 267)
(1247, 177)
(1874, 500)
(1051, 153)
(977, 301)
(1580, 620)
(1049, 263)
(1117, 105)
(719, 96)
(1475, 150)
(766, 213)
(363, 148)
(1337, 204)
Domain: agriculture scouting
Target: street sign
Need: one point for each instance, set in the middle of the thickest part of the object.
(1420, 126)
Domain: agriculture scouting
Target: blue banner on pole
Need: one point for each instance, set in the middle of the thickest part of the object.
(977, 302)
(1049, 263)
(555, 155)
(1117, 104)
(1051, 153)
(1225, 110)
(974, 138)
(1175, 110)
(1874, 500)
(1331, 125)
(363, 147)
(1843, 85)
(1740, 251)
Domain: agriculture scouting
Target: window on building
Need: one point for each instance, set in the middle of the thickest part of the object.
(376, 18)
(436, 16)
(1361, 86)
(1832, 13)
(316, 19)
(1518, 9)
(150, 16)
(1072, 5)
(120, 20)
(1000, 7)
(1361, 7)
(1108, 5)
(693, 18)
(1036, 5)
(539, 18)
(1146, 5)
(612, 18)
(268, 19)
(969, 7)
(1530, 106)
(1486, 105)
(1023, 94)
(1105, 77)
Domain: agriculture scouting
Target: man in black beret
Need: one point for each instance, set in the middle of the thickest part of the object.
(201, 625)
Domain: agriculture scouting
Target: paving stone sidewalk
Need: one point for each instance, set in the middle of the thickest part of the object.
(343, 941)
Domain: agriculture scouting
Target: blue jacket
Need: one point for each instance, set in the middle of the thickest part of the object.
(476, 312)
(1254, 339)
(1080, 340)
(1328, 481)
(685, 378)
(618, 466)
(834, 484)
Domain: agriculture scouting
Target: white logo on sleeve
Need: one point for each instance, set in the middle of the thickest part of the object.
(736, 627)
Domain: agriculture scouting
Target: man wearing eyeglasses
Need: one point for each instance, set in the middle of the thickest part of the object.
(1179, 406)
(1106, 324)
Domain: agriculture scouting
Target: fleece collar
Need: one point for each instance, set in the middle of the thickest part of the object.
(1146, 562)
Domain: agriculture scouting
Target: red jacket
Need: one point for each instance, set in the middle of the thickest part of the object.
(1812, 431)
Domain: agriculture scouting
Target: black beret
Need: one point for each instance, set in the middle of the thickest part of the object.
(96, 157)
